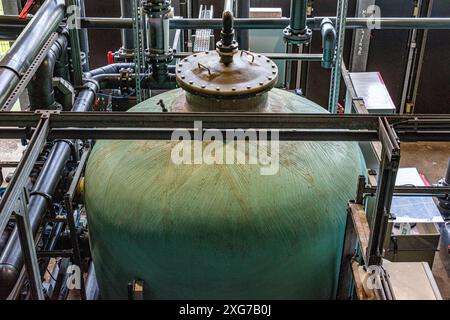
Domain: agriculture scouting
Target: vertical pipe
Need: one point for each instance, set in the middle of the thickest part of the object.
(228, 6)
(157, 15)
(126, 8)
(243, 11)
(299, 10)
(40, 89)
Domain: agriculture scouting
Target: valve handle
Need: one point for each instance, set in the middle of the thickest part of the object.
(28, 6)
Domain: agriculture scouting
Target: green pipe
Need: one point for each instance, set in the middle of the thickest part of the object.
(298, 16)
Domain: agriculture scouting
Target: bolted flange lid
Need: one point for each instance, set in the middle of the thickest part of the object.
(249, 74)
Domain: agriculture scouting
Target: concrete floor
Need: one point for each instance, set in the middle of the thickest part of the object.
(431, 160)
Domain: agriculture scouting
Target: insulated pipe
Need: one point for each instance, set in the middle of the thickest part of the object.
(12, 21)
(25, 49)
(126, 8)
(113, 81)
(328, 43)
(11, 259)
(40, 90)
(110, 68)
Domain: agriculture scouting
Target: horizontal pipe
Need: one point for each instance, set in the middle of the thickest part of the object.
(253, 23)
(26, 48)
(110, 68)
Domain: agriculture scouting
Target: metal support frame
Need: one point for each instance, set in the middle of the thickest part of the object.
(359, 237)
(159, 126)
(15, 202)
(68, 202)
(390, 162)
(367, 243)
(139, 50)
(335, 85)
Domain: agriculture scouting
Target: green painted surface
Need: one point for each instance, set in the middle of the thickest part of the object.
(220, 231)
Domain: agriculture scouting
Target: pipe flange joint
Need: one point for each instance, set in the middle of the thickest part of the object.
(157, 57)
(232, 49)
(297, 37)
(156, 8)
(124, 55)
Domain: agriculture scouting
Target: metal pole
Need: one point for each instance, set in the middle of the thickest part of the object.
(29, 248)
(390, 161)
(336, 71)
(126, 8)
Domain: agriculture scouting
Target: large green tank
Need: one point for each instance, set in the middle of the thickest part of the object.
(219, 231)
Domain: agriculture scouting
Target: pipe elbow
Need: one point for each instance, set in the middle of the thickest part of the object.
(328, 42)
(8, 278)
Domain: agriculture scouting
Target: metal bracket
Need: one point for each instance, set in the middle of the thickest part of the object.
(390, 161)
